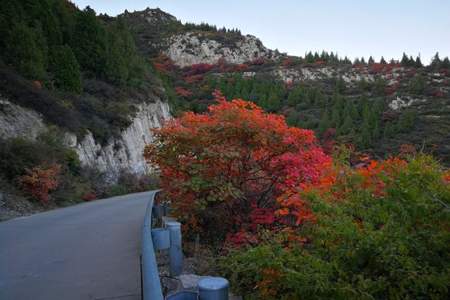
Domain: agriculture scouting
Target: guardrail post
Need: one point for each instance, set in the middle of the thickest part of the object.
(213, 288)
(175, 251)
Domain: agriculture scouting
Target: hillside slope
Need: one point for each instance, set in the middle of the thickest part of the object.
(380, 107)
(77, 103)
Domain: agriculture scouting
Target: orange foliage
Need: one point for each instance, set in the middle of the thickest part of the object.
(40, 181)
(238, 159)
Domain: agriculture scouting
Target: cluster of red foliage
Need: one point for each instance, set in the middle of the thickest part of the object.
(446, 177)
(377, 68)
(239, 162)
(258, 61)
(320, 63)
(287, 62)
(375, 174)
(239, 68)
(163, 64)
(183, 92)
(196, 69)
(40, 181)
(391, 89)
(89, 196)
(193, 78)
(438, 93)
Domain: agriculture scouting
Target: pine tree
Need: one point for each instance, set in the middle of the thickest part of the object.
(89, 42)
(418, 62)
(417, 85)
(347, 125)
(371, 60)
(382, 61)
(365, 139)
(26, 50)
(436, 62)
(65, 69)
(324, 123)
(405, 60)
(445, 63)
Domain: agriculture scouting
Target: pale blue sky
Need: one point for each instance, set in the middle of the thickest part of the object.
(349, 27)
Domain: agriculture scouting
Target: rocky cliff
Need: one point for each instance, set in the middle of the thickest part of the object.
(194, 48)
(123, 153)
(18, 121)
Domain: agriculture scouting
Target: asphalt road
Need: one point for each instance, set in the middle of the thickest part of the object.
(86, 251)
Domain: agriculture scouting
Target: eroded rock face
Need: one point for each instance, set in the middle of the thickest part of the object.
(126, 152)
(16, 121)
(120, 154)
(195, 48)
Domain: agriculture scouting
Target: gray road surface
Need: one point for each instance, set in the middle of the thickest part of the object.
(87, 251)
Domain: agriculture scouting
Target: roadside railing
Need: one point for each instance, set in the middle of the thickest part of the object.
(168, 237)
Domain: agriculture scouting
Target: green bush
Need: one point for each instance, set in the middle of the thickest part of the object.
(362, 247)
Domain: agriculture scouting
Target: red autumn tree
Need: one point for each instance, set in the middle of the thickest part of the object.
(225, 169)
(40, 181)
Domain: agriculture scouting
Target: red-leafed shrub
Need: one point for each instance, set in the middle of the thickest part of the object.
(240, 68)
(391, 89)
(258, 61)
(40, 181)
(369, 223)
(287, 62)
(196, 69)
(181, 91)
(234, 168)
(193, 78)
(438, 93)
(89, 196)
(320, 63)
(163, 64)
(376, 68)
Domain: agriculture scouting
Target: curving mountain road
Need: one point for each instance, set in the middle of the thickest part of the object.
(87, 251)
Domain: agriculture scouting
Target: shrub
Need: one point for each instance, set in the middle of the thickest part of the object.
(224, 169)
(381, 232)
(40, 181)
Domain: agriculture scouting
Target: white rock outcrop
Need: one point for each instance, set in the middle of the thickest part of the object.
(17, 121)
(195, 48)
(126, 152)
(403, 102)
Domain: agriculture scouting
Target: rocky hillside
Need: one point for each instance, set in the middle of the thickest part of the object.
(187, 44)
(80, 92)
(380, 107)
(77, 105)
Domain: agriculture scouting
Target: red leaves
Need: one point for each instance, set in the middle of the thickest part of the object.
(181, 91)
(262, 216)
(40, 181)
(197, 69)
(376, 173)
(89, 196)
(235, 161)
(163, 64)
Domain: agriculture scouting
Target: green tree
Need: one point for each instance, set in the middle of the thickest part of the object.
(26, 50)
(65, 69)
(417, 85)
(89, 42)
(418, 62)
(436, 62)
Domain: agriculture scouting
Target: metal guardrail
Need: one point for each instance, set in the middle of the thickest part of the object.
(169, 238)
(151, 285)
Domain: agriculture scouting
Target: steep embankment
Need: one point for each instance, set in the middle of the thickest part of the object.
(77, 105)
